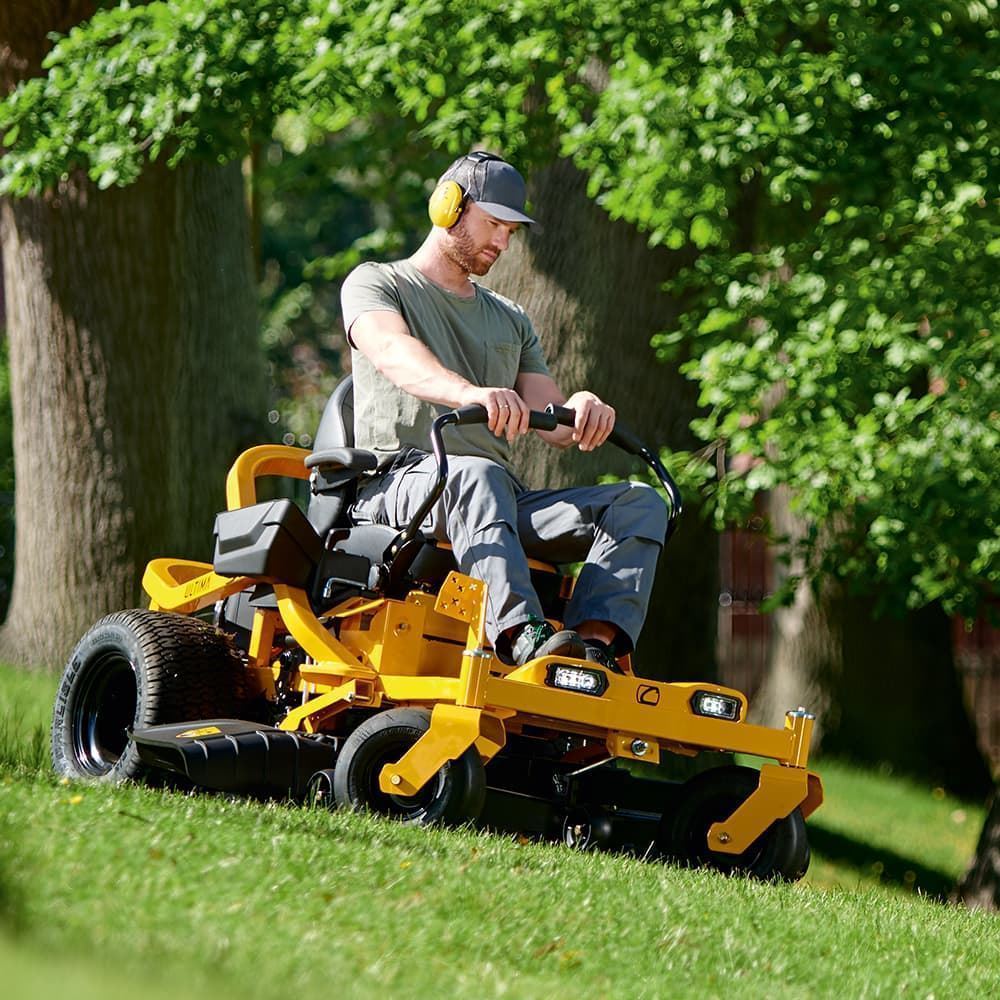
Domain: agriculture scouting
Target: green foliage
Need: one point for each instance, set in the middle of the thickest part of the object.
(166, 78)
(845, 341)
(830, 166)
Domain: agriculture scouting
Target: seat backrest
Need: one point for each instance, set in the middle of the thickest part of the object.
(329, 504)
(336, 427)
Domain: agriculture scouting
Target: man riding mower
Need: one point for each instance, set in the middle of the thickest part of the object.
(348, 664)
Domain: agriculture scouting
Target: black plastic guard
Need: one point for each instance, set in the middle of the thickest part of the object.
(229, 755)
(273, 539)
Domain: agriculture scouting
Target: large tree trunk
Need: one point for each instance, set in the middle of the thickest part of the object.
(593, 290)
(980, 887)
(804, 649)
(135, 378)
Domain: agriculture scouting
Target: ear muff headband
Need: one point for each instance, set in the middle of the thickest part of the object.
(448, 201)
(446, 204)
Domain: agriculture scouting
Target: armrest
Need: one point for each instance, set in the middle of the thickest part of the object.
(352, 459)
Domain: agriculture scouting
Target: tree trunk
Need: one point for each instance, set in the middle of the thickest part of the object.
(980, 887)
(593, 290)
(804, 648)
(135, 379)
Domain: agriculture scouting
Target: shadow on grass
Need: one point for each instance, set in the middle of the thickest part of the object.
(881, 863)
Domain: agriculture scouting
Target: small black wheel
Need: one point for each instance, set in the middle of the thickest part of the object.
(454, 795)
(780, 853)
(319, 791)
(138, 668)
(585, 829)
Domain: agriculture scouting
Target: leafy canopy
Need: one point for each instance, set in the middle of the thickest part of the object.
(832, 164)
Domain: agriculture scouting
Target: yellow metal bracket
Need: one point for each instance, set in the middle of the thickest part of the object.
(814, 798)
(780, 790)
(633, 747)
(800, 725)
(475, 674)
(316, 710)
(453, 730)
(463, 598)
(307, 629)
(262, 637)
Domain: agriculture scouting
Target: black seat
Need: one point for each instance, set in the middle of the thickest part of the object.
(336, 464)
(336, 468)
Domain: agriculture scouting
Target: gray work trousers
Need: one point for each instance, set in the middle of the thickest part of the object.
(493, 522)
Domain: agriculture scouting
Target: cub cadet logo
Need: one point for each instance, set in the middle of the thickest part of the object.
(193, 733)
(198, 586)
(646, 694)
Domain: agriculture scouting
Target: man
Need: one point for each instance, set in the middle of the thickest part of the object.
(426, 338)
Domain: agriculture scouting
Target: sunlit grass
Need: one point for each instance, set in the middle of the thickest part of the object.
(25, 718)
(103, 887)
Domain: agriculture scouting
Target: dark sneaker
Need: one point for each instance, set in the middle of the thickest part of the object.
(600, 653)
(539, 638)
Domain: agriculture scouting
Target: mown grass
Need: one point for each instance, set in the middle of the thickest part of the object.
(202, 895)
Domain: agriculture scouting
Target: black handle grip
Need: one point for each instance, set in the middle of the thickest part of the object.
(477, 414)
(621, 435)
(563, 414)
(474, 414)
(539, 421)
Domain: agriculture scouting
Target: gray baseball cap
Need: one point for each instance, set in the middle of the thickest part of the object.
(492, 183)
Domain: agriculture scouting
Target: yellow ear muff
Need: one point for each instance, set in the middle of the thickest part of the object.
(445, 206)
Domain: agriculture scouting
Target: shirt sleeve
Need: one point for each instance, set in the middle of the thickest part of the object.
(368, 288)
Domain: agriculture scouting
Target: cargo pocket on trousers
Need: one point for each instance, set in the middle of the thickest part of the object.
(407, 493)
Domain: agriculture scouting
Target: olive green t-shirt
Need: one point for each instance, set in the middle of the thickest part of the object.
(486, 339)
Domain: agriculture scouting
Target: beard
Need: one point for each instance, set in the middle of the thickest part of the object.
(461, 250)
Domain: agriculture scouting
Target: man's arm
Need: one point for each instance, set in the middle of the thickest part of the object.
(385, 339)
(595, 419)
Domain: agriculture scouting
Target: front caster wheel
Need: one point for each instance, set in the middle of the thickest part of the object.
(780, 853)
(319, 791)
(454, 795)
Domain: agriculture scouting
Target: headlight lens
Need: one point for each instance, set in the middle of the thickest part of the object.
(716, 706)
(577, 679)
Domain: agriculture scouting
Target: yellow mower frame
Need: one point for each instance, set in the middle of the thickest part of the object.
(430, 651)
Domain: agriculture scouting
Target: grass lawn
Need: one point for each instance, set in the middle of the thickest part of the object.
(133, 891)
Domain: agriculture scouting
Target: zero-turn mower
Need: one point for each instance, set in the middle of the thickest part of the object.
(347, 665)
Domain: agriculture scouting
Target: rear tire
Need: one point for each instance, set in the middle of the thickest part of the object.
(780, 853)
(134, 669)
(454, 795)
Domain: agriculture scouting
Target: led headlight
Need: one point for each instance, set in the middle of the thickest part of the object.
(577, 679)
(715, 706)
